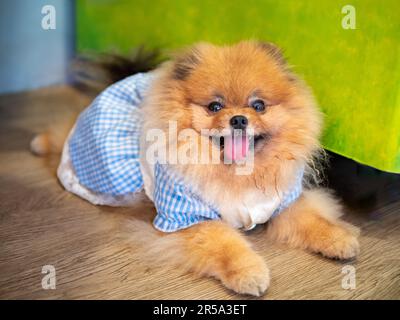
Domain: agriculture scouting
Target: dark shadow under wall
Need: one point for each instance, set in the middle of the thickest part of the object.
(359, 186)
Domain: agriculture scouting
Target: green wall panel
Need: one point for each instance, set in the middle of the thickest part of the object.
(355, 74)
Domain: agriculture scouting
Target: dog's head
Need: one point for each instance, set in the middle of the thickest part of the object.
(248, 89)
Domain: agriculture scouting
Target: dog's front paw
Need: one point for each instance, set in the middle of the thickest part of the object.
(342, 242)
(248, 276)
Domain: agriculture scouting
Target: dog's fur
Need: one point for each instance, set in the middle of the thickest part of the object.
(290, 127)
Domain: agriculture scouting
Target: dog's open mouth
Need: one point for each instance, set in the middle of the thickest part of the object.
(257, 139)
(237, 146)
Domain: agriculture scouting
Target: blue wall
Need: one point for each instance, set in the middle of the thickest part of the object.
(31, 57)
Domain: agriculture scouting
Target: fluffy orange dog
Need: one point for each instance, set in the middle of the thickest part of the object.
(247, 86)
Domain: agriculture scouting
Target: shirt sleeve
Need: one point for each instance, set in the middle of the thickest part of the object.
(178, 207)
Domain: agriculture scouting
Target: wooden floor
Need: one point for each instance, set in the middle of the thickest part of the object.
(41, 224)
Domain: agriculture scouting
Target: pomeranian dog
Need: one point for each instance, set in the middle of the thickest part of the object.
(247, 88)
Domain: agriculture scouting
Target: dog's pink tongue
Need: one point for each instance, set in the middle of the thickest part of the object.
(236, 147)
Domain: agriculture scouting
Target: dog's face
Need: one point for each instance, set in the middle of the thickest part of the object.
(245, 88)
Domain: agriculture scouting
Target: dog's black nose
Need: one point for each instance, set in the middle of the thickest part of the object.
(239, 122)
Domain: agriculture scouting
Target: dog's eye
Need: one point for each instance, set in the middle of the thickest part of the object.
(215, 106)
(258, 105)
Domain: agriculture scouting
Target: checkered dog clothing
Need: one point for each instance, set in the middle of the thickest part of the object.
(101, 163)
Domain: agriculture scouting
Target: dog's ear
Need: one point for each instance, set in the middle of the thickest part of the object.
(274, 51)
(186, 61)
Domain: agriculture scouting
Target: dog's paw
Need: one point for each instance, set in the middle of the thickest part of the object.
(248, 278)
(342, 242)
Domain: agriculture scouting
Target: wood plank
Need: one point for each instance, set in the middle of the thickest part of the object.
(42, 224)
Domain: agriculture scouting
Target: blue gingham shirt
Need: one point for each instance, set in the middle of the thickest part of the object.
(104, 152)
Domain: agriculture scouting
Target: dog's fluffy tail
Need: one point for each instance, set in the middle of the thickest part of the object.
(93, 74)
(97, 72)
